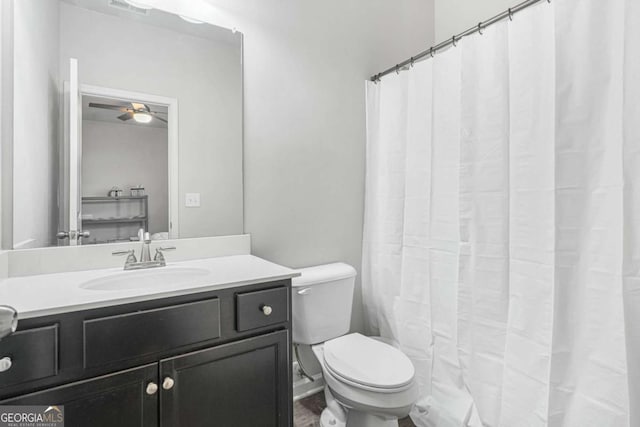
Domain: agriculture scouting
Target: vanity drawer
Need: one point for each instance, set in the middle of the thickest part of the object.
(33, 355)
(143, 333)
(262, 308)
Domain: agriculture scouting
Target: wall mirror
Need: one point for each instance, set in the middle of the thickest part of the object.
(122, 118)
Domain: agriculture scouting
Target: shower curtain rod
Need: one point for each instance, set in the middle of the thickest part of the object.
(455, 39)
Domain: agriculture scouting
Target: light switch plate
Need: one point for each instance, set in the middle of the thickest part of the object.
(192, 200)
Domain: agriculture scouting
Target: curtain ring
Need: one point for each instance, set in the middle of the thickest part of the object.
(411, 63)
(510, 15)
(397, 69)
(431, 52)
(453, 40)
(480, 28)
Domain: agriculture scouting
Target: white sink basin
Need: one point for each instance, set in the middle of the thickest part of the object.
(142, 279)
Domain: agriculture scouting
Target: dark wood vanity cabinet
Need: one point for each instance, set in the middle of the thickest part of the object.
(118, 399)
(183, 361)
(238, 384)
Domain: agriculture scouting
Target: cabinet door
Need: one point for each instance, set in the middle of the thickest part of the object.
(241, 384)
(119, 399)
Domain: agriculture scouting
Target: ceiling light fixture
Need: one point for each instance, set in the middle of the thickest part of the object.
(191, 20)
(142, 117)
(139, 5)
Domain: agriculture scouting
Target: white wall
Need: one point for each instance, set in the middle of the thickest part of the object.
(36, 129)
(115, 154)
(205, 77)
(306, 63)
(454, 16)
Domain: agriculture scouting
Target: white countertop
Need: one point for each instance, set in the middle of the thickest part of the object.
(47, 294)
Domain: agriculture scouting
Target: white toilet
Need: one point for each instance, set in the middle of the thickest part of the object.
(369, 383)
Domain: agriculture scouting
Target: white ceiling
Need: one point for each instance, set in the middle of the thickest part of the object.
(111, 116)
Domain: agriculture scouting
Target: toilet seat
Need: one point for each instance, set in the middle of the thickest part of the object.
(368, 364)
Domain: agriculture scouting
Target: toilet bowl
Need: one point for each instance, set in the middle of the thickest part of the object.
(372, 382)
(369, 383)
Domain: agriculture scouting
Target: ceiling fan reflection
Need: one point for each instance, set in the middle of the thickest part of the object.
(141, 113)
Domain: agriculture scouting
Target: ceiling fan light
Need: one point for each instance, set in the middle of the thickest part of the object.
(142, 117)
(138, 4)
(191, 20)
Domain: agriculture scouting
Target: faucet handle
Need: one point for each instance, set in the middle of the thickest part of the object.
(127, 252)
(131, 255)
(159, 253)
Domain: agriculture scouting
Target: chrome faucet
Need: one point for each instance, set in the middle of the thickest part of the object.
(132, 263)
(145, 238)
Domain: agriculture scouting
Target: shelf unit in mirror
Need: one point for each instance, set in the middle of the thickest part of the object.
(114, 212)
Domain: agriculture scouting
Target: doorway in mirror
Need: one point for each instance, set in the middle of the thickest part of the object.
(126, 150)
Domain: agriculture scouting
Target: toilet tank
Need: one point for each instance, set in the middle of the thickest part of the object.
(321, 302)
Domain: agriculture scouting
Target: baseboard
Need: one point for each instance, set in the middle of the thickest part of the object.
(303, 387)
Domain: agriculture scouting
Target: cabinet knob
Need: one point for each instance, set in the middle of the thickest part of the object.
(152, 388)
(168, 383)
(267, 310)
(5, 364)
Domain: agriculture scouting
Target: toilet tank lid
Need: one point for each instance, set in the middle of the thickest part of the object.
(323, 273)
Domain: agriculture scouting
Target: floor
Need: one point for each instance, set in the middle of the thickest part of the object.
(306, 412)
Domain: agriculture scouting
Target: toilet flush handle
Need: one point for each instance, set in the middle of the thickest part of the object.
(304, 291)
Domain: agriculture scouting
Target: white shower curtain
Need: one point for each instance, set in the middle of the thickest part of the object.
(502, 220)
